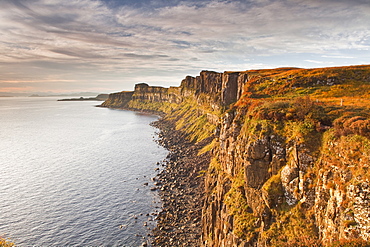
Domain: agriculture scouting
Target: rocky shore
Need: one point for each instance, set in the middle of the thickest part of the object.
(181, 188)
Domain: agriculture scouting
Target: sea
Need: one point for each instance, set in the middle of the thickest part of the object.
(72, 174)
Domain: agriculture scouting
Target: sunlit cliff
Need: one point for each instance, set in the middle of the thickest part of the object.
(290, 152)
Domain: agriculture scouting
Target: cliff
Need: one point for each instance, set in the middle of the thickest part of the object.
(290, 152)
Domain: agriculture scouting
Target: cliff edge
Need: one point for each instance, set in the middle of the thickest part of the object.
(289, 152)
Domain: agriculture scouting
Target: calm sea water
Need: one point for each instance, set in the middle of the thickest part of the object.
(72, 174)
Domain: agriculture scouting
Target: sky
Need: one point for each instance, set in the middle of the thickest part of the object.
(109, 46)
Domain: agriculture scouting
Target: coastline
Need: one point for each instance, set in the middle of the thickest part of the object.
(151, 112)
(281, 137)
(180, 187)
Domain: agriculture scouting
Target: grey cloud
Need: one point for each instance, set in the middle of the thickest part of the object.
(197, 26)
(133, 55)
(183, 34)
(76, 53)
(231, 25)
(17, 3)
(32, 16)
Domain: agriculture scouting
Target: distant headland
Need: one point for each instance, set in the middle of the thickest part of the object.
(100, 97)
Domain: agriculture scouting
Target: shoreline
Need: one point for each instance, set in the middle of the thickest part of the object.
(151, 112)
(180, 187)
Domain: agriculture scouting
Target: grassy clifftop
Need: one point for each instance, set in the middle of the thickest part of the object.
(291, 162)
(352, 81)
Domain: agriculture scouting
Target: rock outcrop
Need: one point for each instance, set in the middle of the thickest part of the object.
(118, 100)
(211, 88)
(285, 169)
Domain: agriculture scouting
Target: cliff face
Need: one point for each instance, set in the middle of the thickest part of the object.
(118, 100)
(210, 88)
(143, 92)
(270, 186)
(286, 169)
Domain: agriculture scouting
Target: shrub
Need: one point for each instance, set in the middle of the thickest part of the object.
(5, 243)
(300, 109)
(357, 125)
(350, 243)
(304, 107)
(300, 241)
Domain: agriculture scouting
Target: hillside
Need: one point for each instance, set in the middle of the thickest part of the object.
(289, 147)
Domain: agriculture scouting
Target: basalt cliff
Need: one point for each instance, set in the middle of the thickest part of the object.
(289, 148)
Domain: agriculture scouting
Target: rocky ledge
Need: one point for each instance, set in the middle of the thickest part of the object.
(181, 188)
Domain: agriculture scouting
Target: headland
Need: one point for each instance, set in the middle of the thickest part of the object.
(275, 157)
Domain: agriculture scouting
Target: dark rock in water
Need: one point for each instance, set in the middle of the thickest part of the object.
(153, 188)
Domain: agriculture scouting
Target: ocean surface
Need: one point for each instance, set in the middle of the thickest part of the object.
(72, 174)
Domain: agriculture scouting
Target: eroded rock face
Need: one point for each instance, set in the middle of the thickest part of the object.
(264, 181)
(144, 92)
(118, 100)
(359, 194)
(277, 172)
(209, 82)
(209, 88)
(258, 159)
(342, 205)
(230, 88)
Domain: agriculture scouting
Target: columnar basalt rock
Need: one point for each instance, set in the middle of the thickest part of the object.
(144, 92)
(207, 89)
(209, 82)
(230, 88)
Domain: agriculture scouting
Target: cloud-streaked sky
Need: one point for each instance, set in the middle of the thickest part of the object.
(108, 46)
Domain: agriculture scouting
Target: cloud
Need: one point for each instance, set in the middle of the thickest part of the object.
(339, 57)
(314, 61)
(114, 41)
(277, 26)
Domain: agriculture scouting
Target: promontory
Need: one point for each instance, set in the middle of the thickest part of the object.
(281, 156)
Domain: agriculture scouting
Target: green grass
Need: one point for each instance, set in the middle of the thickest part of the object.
(163, 107)
(192, 119)
(244, 221)
(208, 147)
